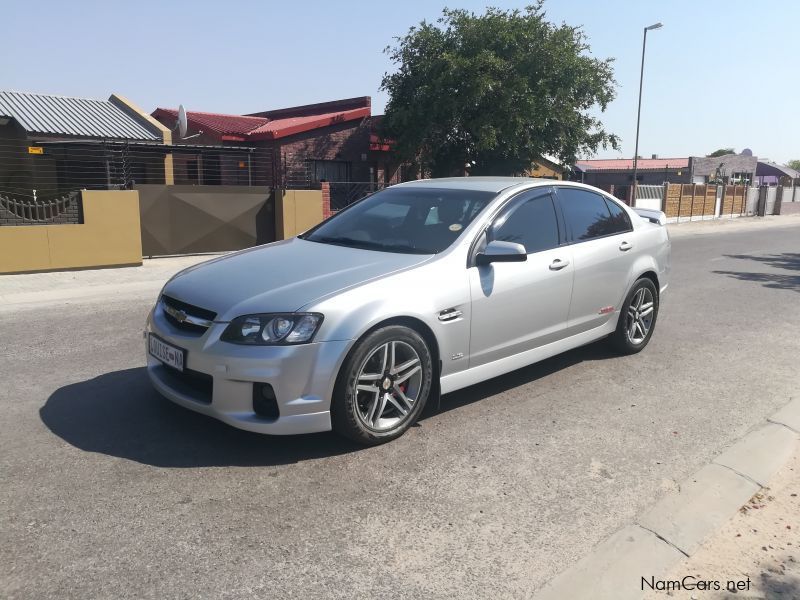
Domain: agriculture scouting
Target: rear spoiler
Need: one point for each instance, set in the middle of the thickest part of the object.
(652, 215)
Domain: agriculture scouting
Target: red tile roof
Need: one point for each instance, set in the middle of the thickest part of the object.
(282, 127)
(217, 123)
(622, 164)
(244, 128)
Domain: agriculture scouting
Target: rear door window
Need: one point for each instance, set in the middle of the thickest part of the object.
(620, 222)
(588, 215)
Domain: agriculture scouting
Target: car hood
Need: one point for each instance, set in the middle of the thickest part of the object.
(281, 277)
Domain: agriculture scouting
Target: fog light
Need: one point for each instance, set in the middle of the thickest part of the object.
(265, 404)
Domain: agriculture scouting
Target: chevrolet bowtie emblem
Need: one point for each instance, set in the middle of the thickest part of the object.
(176, 314)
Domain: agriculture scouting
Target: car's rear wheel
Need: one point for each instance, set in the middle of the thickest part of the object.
(383, 386)
(637, 320)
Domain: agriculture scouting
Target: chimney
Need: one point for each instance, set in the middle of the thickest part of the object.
(654, 156)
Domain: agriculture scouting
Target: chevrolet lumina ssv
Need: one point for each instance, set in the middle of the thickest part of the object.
(423, 288)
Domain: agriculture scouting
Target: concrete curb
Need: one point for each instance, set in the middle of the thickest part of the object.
(704, 503)
(759, 454)
(606, 572)
(789, 416)
(679, 523)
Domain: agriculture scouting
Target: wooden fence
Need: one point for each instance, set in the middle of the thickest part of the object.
(696, 201)
(690, 200)
(733, 200)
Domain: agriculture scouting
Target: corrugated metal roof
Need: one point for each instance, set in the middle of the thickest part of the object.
(79, 117)
(772, 167)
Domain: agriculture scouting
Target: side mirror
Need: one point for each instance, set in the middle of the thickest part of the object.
(497, 251)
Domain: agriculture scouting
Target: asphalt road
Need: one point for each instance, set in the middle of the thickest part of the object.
(108, 491)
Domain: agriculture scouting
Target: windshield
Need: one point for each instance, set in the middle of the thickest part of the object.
(412, 220)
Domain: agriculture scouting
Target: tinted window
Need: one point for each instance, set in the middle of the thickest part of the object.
(532, 224)
(588, 215)
(417, 220)
(620, 222)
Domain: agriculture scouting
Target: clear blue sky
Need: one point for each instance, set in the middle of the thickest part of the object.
(718, 73)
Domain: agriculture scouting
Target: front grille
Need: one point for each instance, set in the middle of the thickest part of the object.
(194, 384)
(191, 311)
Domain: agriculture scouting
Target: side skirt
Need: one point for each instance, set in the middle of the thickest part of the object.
(462, 379)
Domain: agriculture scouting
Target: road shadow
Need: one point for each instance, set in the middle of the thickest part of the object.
(120, 414)
(789, 261)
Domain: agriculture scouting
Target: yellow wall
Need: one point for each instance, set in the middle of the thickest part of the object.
(110, 235)
(542, 169)
(296, 211)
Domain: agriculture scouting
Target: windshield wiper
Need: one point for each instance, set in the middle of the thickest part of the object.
(365, 244)
(345, 241)
(392, 247)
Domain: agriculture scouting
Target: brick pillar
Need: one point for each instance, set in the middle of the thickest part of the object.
(778, 199)
(326, 200)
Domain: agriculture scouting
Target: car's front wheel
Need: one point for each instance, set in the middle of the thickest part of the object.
(383, 386)
(637, 320)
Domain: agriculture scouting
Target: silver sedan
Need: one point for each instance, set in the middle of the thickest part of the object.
(421, 289)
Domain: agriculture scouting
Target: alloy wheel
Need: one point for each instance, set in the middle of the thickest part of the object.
(388, 385)
(640, 315)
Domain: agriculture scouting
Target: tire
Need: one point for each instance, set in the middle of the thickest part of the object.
(628, 338)
(382, 386)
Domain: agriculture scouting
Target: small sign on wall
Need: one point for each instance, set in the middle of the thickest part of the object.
(35, 150)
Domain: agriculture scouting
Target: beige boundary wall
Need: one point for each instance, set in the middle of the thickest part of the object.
(109, 236)
(296, 211)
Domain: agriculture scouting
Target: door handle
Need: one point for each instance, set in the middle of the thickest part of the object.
(449, 314)
(625, 246)
(558, 264)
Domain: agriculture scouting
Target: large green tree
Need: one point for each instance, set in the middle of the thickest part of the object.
(794, 164)
(495, 91)
(721, 152)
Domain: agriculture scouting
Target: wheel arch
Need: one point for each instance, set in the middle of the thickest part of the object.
(643, 273)
(652, 276)
(644, 266)
(417, 325)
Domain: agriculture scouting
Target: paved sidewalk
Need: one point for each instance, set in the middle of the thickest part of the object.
(728, 225)
(34, 290)
(758, 550)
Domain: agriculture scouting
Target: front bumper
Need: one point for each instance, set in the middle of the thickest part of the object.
(302, 376)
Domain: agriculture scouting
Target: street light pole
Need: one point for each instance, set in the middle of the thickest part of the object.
(639, 111)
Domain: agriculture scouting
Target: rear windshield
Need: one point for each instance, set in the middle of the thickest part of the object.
(411, 220)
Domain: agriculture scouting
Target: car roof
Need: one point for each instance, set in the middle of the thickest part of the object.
(499, 184)
(484, 184)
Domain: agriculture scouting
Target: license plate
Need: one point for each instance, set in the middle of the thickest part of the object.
(167, 353)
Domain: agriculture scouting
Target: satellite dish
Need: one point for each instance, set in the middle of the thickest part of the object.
(182, 125)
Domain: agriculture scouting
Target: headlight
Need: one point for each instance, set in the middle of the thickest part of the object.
(272, 329)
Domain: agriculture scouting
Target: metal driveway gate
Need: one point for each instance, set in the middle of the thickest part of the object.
(187, 219)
